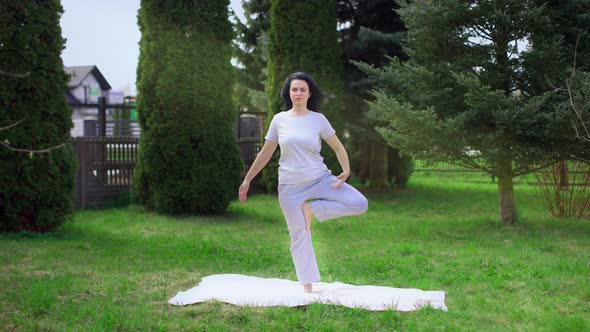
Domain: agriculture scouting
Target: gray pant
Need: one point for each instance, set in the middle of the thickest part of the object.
(326, 203)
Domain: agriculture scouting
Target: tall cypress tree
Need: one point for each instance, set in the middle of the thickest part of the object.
(303, 37)
(188, 161)
(36, 188)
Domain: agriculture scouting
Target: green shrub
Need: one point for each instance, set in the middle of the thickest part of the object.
(36, 190)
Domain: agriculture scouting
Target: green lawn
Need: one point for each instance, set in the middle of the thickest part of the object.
(115, 269)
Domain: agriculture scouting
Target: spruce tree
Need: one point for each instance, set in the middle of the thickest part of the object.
(188, 159)
(464, 95)
(303, 37)
(36, 187)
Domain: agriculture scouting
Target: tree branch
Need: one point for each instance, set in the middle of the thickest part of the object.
(12, 125)
(32, 151)
(15, 74)
(481, 32)
(527, 170)
(6, 144)
(467, 162)
(578, 113)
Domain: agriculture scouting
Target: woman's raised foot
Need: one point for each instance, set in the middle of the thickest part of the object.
(308, 214)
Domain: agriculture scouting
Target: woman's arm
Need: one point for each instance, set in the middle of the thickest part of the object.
(342, 156)
(261, 160)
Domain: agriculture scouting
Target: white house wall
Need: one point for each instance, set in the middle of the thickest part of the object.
(78, 129)
(82, 93)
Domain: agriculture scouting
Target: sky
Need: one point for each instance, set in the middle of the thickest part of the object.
(105, 33)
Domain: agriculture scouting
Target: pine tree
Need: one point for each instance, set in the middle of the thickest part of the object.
(36, 188)
(463, 96)
(303, 37)
(188, 159)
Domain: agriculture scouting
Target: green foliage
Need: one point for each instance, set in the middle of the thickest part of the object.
(564, 37)
(465, 95)
(561, 67)
(36, 190)
(371, 32)
(578, 107)
(188, 159)
(303, 37)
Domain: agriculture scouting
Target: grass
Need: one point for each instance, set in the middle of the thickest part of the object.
(115, 269)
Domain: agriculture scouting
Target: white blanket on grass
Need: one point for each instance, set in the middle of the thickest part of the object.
(253, 291)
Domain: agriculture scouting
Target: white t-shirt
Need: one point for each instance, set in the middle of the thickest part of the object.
(300, 140)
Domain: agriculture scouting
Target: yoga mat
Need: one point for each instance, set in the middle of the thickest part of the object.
(245, 290)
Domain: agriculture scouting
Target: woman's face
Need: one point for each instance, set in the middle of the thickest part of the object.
(299, 92)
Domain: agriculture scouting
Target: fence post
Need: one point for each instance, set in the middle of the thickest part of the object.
(76, 148)
(102, 116)
(83, 160)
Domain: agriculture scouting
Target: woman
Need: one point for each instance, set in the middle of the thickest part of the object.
(306, 187)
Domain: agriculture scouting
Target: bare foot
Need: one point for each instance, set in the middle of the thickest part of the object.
(307, 288)
(307, 214)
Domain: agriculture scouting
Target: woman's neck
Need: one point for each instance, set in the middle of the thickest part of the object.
(299, 109)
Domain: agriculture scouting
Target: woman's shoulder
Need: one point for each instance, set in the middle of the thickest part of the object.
(279, 115)
(319, 115)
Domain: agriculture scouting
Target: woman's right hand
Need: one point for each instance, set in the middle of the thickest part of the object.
(243, 191)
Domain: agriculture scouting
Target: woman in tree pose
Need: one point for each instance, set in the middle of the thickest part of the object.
(306, 187)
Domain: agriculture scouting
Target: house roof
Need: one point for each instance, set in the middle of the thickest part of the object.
(72, 100)
(79, 73)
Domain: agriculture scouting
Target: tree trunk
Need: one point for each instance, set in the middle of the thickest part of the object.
(563, 175)
(394, 166)
(506, 192)
(378, 165)
(364, 158)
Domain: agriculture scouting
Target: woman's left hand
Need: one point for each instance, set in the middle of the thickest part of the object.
(341, 179)
(243, 191)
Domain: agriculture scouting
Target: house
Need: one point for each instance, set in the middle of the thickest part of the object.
(86, 84)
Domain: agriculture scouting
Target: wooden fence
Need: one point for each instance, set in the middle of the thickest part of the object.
(107, 163)
(112, 128)
(249, 148)
(105, 171)
(577, 171)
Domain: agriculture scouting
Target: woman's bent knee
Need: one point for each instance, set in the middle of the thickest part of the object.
(361, 204)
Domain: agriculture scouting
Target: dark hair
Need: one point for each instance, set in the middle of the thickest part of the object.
(314, 101)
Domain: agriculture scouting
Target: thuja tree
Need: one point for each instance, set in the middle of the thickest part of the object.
(36, 161)
(463, 96)
(303, 37)
(188, 158)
